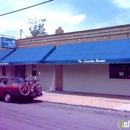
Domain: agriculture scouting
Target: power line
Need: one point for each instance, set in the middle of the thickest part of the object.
(26, 8)
(3, 35)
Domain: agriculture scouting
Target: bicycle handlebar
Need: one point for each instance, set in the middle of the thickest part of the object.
(32, 77)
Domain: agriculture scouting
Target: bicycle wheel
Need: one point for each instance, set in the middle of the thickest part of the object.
(38, 88)
(24, 89)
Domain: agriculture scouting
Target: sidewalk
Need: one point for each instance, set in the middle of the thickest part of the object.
(90, 100)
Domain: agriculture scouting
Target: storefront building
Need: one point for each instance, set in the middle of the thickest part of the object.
(91, 61)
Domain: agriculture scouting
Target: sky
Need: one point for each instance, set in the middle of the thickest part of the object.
(71, 15)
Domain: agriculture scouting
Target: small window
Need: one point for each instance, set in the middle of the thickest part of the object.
(4, 70)
(34, 70)
(20, 70)
(120, 71)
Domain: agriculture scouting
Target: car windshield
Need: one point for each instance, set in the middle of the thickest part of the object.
(17, 81)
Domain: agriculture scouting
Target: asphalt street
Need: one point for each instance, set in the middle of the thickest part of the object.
(40, 115)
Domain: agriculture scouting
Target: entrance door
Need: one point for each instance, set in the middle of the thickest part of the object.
(20, 71)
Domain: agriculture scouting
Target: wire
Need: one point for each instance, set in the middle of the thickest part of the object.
(8, 36)
(26, 8)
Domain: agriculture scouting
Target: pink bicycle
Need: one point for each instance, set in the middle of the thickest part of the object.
(31, 85)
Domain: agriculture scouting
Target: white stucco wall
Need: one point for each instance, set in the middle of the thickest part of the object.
(93, 79)
(12, 70)
(28, 69)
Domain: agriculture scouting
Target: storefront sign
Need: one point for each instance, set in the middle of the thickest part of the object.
(4, 63)
(92, 61)
(8, 43)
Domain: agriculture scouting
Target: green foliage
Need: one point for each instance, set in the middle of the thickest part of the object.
(37, 27)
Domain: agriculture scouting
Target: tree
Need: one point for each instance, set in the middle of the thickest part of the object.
(37, 27)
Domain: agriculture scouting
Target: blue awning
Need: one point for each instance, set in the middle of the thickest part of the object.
(29, 55)
(4, 54)
(112, 51)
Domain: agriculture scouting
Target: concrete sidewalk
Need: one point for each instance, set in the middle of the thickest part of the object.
(91, 100)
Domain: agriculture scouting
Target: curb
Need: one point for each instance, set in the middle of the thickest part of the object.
(83, 105)
(108, 109)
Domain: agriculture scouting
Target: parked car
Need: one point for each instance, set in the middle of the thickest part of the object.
(10, 89)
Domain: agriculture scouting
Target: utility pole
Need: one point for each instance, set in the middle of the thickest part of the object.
(20, 33)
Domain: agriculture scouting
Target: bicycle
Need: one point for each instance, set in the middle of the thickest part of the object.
(36, 87)
(31, 85)
(25, 87)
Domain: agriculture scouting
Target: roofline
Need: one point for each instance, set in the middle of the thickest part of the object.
(74, 32)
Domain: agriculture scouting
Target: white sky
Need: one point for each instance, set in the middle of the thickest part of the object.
(71, 15)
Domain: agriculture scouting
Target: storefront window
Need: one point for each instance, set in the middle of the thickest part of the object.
(34, 73)
(34, 70)
(20, 70)
(4, 70)
(17, 70)
(121, 71)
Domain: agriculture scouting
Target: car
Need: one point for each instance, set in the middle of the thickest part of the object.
(10, 89)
